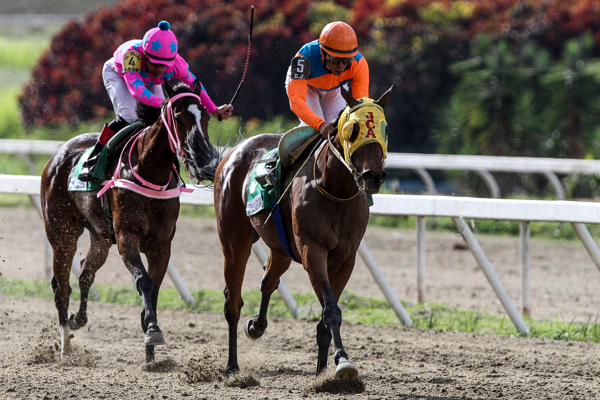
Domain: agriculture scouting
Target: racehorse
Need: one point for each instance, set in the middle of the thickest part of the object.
(324, 210)
(144, 203)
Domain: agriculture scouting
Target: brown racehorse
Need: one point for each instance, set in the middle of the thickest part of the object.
(141, 224)
(324, 212)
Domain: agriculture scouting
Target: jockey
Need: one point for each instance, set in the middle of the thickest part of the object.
(318, 71)
(313, 82)
(135, 73)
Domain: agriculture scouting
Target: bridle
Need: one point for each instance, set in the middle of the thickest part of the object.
(147, 188)
(345, 122)
(167, 110)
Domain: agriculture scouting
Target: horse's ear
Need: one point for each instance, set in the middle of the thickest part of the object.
(347, 95)
(168, 88)
(385, 97)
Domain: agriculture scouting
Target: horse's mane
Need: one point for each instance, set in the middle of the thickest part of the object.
(148, 114)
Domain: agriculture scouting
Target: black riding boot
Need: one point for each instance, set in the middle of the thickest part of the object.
(269, 177)
(87, 169)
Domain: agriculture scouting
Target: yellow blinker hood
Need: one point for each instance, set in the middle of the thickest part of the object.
(371, 120)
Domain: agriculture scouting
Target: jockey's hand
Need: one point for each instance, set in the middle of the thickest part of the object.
(223, 111)
(326, 129)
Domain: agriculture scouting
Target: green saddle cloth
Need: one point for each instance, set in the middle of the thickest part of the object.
(75, 185)
(260, 196)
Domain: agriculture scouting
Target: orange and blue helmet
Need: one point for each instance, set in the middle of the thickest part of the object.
(160, 44)
(338, 39)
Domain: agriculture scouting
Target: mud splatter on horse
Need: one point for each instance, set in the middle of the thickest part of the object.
(143, 198)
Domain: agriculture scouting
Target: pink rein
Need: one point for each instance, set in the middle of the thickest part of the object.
(149, 189)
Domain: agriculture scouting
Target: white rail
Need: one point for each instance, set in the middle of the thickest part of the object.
(420, 163)
(30, 185)
(457, 208)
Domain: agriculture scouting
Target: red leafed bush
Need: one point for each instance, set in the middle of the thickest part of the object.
(409, 42)
(67, 82)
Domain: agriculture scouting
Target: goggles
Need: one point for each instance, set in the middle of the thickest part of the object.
(337, 60)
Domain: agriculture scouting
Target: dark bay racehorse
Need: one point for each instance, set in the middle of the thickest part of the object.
(142, 223)
(325, 214)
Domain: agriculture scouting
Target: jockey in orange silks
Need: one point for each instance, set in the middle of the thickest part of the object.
(318, 71)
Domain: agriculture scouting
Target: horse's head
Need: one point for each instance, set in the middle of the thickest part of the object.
(190, 121)
(363, 135)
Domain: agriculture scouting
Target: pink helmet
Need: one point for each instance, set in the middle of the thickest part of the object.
(160, 44)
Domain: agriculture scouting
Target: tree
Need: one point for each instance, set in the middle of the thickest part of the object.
(573, 87)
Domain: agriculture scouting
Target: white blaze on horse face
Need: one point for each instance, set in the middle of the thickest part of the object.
(193, 109)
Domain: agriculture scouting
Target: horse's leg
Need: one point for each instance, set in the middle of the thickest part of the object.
(158, 262)
(235, 268)
(338, 279)
(129, 248)
(323, 342)
(94, 259)
(275, 267)
(64, 246)
(331, 321)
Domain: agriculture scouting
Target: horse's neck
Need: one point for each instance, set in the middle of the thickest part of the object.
(155, 157)
(334, 176)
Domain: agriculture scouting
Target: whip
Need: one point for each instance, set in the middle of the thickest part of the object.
(247, 58)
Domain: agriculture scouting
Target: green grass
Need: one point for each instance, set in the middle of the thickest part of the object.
(356, 309)
(22, 52)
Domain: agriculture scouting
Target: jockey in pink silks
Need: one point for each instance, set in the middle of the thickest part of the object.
(135, 73)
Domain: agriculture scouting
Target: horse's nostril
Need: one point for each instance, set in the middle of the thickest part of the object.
(382, 177)
(370, 176)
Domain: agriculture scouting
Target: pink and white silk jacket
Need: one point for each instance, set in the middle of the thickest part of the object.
(130, 63)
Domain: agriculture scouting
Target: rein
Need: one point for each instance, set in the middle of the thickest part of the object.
(149, 189)
(352, 171)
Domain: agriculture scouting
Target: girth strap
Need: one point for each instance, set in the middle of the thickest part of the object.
(278, 221)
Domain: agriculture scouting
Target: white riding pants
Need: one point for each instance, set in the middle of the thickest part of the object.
(326, 104)
(122, 100)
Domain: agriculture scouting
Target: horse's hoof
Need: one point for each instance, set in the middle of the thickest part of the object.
(75, 323)
(154, 338)
(346, 371)
(232, 370)
(251, 333)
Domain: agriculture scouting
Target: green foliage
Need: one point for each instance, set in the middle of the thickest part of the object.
(21, 52)
(10, 122)
(447, 14)
(321, 13)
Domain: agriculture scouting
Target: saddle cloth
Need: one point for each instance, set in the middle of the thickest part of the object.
(75, 185)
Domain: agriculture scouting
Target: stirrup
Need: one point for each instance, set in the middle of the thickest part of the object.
(87, 175)
(269, 177)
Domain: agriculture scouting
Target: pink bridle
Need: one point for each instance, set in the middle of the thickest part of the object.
(174, 141)
(147, 188)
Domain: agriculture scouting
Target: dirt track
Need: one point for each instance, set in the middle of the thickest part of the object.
(394, 363)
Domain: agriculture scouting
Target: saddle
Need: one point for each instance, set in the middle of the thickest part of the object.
(108, 154)
(265, 188)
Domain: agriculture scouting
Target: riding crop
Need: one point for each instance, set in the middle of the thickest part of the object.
(247, 58)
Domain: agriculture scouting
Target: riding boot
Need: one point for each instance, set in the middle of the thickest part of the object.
(87, 169)
(269, 177)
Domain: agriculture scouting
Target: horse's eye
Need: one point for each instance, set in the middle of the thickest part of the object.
(384, 130)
